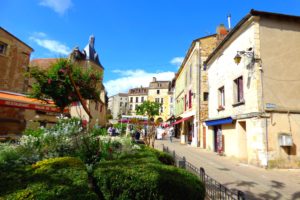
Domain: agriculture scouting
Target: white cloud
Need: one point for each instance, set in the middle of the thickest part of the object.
(177, 61)
(134, 78)
(59, 6)
(52, 45)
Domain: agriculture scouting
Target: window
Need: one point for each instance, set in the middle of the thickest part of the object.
(3, 48)
(157, 91)
(131, 99)
(161, 109)
(221, 98)
(205, 96)
(125, 104)
(121, 104)
(157, 100)
(171, 100)
(130, 107)
(137, 99)
(162, 100)
(238, 90)
(142, 99)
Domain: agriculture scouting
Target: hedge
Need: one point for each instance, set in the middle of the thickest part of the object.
(142, 176)
(56, 178)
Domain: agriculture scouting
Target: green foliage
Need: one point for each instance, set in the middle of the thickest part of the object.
(148, 108)
(55, 83)
(121, 128)
(8, 153)
(163, 157)
(58, 178)
(142, 176)
(97, 131)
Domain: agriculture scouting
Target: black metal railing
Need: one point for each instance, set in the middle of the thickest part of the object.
(213, 189)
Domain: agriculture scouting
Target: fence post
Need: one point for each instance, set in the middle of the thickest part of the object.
(202, 174)
(241, 195)
(184, 162)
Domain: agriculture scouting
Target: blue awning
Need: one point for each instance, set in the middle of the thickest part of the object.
(227, 120)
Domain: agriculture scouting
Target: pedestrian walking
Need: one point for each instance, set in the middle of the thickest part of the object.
(171, 133)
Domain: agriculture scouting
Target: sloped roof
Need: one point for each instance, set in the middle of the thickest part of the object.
(245, 19)
(43, 63)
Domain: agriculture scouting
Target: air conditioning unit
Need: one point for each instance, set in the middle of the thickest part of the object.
(285, 140)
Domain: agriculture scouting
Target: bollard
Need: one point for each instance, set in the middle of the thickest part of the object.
(184, 162)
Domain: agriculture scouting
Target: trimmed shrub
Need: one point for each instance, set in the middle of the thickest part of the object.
(141, 176)
(56, 178)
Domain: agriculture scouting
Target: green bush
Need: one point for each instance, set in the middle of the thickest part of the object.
(141, 175)
(57, 178)
(8, 153)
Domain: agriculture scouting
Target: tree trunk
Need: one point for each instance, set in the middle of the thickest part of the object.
(78, 93)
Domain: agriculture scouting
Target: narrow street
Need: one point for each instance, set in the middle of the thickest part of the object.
(256, 183)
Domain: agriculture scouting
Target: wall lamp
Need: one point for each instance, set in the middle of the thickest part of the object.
(248, 53)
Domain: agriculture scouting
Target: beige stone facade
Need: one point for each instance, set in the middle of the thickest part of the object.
(136, 96)
(253, 105)
(191, 91)
(159, 91)
(14, 62)
(118, 105)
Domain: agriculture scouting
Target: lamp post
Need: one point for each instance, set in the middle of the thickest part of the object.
(248, 53)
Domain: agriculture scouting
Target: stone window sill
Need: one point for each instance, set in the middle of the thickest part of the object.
(238, 104)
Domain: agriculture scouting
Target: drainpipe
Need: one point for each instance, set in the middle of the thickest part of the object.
(198, 96)
(263, 110)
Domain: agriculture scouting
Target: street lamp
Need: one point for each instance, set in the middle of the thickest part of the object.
(248, 53)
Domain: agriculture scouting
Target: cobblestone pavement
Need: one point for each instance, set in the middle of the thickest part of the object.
(255, 182)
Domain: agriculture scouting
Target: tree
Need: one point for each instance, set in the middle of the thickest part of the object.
(64, 83)
(151, 109)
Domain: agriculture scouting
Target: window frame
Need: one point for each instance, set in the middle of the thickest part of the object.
(238, 91)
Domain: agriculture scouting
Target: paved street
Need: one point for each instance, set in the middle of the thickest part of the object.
(257, 183)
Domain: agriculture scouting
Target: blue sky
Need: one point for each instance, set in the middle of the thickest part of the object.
(135, 39)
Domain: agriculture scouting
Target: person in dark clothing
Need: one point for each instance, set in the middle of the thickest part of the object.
(137, 135)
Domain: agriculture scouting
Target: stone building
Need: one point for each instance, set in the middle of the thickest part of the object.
(118, 105)
(159, 91)
(136, 96)
(87, 58)
(14, 61)
(191, 93)
(17, 111)
(254, 108)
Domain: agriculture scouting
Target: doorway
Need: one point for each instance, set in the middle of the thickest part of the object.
(242, 141)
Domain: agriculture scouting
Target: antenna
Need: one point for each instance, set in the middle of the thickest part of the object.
(229, 21)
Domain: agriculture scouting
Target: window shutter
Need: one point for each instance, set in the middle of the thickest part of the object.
(241, 89)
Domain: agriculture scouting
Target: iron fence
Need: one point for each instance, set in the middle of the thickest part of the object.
(213, 189)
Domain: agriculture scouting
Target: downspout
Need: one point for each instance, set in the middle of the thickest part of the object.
(198, 108)
(263, 110)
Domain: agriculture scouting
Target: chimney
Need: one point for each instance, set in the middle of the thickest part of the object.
(153, 79)
(221, 33)
(229, 21)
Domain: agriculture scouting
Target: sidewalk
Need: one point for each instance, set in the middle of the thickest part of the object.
(255, 182)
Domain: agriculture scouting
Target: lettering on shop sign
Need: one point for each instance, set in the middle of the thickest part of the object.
(28, 106)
